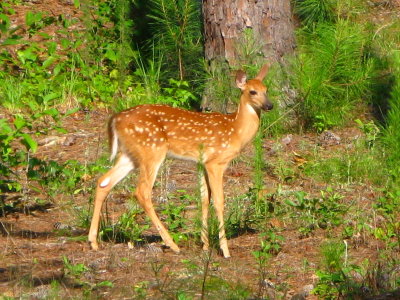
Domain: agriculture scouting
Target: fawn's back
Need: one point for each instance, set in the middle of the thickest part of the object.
(183, 134)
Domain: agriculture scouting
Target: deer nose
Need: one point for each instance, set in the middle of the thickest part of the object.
(267, 104)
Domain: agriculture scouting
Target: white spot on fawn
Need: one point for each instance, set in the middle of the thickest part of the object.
(105, 182)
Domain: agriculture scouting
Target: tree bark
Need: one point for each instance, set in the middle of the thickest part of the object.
(269, 21)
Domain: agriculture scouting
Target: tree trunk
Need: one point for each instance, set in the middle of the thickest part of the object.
(227, 25)
(239, 33)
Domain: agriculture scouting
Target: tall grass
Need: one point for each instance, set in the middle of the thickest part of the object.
(391, 134)
(331, 73)
(358, 165)
(311, 12)
(148, 73)
(219, 92)
(177, 34)
(11, 93)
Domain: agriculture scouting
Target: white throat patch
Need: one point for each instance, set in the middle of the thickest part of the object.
(251, 109)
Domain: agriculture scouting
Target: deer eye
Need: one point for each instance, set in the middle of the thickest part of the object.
(253, 92)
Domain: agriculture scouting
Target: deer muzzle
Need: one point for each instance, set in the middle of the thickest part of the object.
(267, 104)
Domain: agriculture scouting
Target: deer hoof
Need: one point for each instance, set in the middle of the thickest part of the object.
(226, 253)
(94, 246)
(175, 248)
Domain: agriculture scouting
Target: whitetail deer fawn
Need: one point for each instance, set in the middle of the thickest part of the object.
(146, 134)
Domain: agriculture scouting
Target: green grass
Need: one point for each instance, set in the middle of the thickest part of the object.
(12, 91)
(391, 136)
(349, 166)
(331, 73)
(311, 12)
(176, 29)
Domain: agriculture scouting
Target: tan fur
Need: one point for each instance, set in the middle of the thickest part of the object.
(146, 134)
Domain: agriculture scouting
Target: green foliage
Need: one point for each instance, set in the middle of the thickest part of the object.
(177, 33)
(6, 6)
(249, 50)
(336, 278)
(36, 21)
(148, 89)
(383, 275)
(339, 279)
(258, 162)
(11, 156)
(240, 216)
(75, 270)
(148, 72)
(387, 207)
(371, 131)
(175, 220)
(332, 279)
(247, 212)
(359, 164)
(390, 132)
(218, 91)
(58, 73)
(177, 95)
(22, 131)
(324, 212)
(284, 170)
(312, 12)
(127, 229)
(57, 177)
(12, 93)
(270, 244)
(48, 73)
(331, 73)
(333, 254)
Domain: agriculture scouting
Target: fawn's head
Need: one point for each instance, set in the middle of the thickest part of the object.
(253, 90)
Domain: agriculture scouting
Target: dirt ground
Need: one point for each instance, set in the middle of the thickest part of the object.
(32, 248)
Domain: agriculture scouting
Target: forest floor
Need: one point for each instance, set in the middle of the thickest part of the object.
(33, 246)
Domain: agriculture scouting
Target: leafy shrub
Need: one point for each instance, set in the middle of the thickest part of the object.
(324, 212)
(338, 279)
(177, 95)
(49, 70)
(127, 229)
(16, 133)
(175, 220)
(11, 157)
(333, 276)
(386, 207)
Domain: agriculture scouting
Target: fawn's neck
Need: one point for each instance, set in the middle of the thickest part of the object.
(246, 122)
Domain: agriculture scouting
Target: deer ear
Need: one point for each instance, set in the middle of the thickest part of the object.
(240, 79)
(264, 70)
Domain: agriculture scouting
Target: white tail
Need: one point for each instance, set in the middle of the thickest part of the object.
(146, 134)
